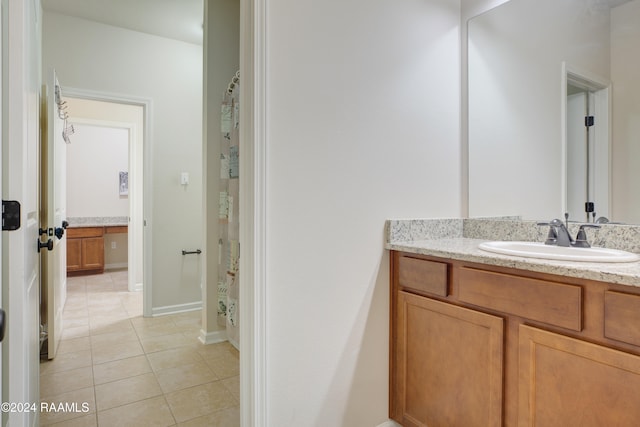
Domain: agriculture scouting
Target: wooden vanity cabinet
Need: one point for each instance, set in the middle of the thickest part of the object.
(481, 345)
(440, 347)
(85, 250)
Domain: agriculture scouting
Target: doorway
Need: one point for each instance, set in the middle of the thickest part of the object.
(586, 143)
(116, 130)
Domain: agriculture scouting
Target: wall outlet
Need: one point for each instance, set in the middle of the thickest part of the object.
(113, 245)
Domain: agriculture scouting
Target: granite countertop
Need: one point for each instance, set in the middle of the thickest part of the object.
(453, 239)
(108, 221)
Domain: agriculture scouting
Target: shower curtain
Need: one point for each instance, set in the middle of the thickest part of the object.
(228, 244)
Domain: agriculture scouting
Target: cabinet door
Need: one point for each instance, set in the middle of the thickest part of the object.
(568, 382)
(93, 253)
(74, 254)
(448, 365)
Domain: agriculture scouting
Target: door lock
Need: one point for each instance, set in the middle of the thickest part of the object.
(48, 244)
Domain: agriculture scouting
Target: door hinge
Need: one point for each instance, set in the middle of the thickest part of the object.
(10, 215)
(588, 121)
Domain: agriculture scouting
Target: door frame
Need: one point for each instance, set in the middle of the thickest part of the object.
(147, 196)
(253, 224)
(602, 89)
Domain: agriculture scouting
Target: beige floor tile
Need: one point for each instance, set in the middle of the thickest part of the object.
(128, 390)
(130, 297)
(192, 334)
(164, 342)
(212, 351)
(105, 330)
(74, 344)
(226, 418)
(134, 311)
(66, 362)
(111, 338)
(184, 376)
(75, 332)
(62, 382)
(84, 421)
(139, 322)
(173, 357)
(116, 312)
(120, 369)
(105, 325)
(148, 331)
(74, 322)
(116, 352)
(233, 385)
(83, 402)
(75, 307)
(190, 318)
(199, 400)
(145, 413)
(224, 366)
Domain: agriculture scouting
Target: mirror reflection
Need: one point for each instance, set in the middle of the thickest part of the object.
(554, 110)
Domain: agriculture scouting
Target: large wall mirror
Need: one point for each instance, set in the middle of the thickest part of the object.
(538, 71)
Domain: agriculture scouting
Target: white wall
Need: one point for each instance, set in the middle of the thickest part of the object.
(102, 58)
(625, 69)
(363, 125)
(94, 160)
(515, 57)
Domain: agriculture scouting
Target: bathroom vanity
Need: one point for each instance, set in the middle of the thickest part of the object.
(85, 246)
(479, 339)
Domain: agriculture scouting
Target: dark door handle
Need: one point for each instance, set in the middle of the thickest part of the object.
(48, 244)
(65, 224)
(3, 324)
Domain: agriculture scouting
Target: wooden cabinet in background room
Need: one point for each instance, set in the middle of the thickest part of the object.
(85, 250)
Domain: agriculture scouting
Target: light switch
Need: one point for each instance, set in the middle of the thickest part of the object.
(184, 178)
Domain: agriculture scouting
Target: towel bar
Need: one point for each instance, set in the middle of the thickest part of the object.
(197, 251)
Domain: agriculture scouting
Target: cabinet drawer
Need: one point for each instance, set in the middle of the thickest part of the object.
(553, 303)
(622, 317)
(85, 232)
(422, 275)
(115, 229)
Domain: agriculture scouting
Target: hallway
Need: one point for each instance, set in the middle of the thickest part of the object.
(125, 370)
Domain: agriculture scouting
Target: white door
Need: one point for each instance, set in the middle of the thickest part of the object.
(54, 207)
(21, 261)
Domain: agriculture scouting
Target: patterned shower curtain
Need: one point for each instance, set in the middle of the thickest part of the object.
(228, 244)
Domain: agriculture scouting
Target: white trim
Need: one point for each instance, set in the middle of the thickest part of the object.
(147, 203)
(116, 266)
(212, 337)
(253, 233)
(389, 423)
(175, 309)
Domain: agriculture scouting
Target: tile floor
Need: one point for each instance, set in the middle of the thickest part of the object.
(133, 371)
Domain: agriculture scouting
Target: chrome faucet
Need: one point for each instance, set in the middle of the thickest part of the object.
(559, 234)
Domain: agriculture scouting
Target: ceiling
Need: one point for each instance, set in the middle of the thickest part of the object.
(175, 19)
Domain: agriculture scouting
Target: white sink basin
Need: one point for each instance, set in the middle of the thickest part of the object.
(540, 250)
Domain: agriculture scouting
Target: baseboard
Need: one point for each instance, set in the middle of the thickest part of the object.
(138, 287)
(116, 266)
(234, 343)
(174, 309)
(212, 337)
(389, 423)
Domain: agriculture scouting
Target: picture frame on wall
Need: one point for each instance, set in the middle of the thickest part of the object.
(124, 184)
